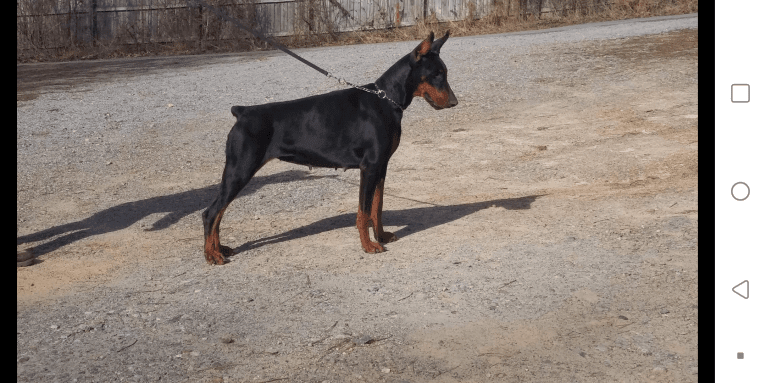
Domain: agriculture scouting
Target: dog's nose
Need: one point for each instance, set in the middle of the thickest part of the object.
(452, 99)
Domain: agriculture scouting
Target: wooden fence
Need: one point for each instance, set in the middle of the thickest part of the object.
(46, 24)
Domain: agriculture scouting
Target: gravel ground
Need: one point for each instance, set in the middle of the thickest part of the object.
(542, 245)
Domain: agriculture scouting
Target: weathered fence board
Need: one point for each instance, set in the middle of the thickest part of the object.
(56, 23)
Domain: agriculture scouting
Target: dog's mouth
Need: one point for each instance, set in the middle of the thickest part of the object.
(431, 102)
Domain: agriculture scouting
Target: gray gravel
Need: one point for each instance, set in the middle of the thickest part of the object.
(106, 119)
(209, 85)
(103, 109)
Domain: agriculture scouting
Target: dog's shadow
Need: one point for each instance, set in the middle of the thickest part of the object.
(119, 217)
(414, 220)
(179, 205)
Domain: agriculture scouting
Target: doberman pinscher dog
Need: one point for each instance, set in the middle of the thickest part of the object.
(349, 128)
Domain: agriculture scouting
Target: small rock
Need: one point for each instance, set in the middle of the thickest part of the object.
(664, 311)
(659, 369)
(55, 326)
(23, 359)
(623, 317)
(108, 162)
(385, 370)
(194, 353)
(227, 339)
(601, 348)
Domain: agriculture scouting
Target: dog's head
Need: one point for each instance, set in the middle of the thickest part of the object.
(429, 74)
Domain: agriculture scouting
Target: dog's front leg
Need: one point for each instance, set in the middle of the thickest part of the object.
(363, 216)
(377, 212)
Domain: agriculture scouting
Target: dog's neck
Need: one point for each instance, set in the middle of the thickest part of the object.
(395, 82)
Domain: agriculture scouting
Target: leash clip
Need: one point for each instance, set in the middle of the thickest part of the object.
(382, 95)
(340, 80)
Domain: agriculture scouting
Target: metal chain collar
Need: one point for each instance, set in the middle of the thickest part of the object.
(379, 92)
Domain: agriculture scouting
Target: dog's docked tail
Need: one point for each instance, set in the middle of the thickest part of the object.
(237, 111)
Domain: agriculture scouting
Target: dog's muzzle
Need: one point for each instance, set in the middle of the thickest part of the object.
(451, 100)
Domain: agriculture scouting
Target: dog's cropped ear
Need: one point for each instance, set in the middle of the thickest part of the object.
(437, 45)
(422, 49)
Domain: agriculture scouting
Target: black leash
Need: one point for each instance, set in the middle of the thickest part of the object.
(259, 35)
(379, 92)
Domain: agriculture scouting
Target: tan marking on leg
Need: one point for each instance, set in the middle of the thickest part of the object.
(214, 251)
(363, 224)
(377, 216)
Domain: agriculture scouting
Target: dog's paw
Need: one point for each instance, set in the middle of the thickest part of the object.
(218, 257)
(372, 247)
(214, 258)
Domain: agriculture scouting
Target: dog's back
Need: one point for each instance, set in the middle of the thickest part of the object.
(345, 103)
(346, 119)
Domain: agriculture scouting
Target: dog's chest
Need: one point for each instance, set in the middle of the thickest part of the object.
(395, 142)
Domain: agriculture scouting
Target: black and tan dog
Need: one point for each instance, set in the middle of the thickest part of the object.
(348, 128)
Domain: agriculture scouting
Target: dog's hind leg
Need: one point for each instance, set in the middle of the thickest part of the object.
(244, 156)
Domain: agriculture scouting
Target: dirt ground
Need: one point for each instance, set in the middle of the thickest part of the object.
(540, 240)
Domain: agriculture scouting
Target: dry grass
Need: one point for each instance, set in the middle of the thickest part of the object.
(314, 27)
